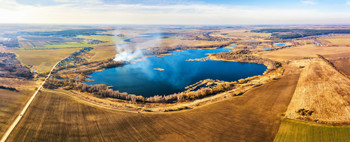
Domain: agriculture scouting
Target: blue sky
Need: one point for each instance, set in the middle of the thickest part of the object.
(198, 12)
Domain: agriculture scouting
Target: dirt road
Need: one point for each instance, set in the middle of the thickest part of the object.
(24, 110)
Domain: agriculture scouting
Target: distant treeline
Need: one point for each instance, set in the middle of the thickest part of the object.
(164, 50)
(65, 33)
(298, 33)
(8, 88)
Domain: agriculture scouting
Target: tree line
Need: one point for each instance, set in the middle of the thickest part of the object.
(101, 90)
(246, 56)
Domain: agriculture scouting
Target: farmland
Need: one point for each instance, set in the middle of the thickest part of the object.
(11, 102)
(299, 131)
(307, 101)
(338, 40)
(42, 60)
(250, 117)
(341, 62)
(322, 90)
(103, 53)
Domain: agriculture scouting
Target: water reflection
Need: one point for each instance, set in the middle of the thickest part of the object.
(141, 78)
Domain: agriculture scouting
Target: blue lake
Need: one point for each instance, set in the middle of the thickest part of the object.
(280, 44)
(141, 78)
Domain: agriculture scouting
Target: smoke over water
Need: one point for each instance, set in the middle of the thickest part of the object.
(130, 46)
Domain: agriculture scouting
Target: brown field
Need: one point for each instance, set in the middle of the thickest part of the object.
(11, 103)
(323, 90)
(20, 84)
(297, 53)
(227, 33)
(250, 117)
(338, 40)
(103, 53)
(309, 83)
(192, 43)
(341, 62)
(43, 60)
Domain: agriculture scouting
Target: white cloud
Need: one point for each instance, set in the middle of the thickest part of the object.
(80, 1)
(348, 2)
(308, 2)
(7, 4)
(165, 14)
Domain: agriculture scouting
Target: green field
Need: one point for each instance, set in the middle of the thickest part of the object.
(44, 45)
(299, 131)
(68, 45)
(110, 40)
(98, 37)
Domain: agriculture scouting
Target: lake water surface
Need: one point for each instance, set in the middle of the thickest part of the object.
(280, 44)
(141, 78)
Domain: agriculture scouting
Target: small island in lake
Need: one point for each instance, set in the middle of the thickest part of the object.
(159, 69)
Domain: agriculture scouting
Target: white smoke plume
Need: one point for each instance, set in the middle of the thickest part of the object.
(131, 51)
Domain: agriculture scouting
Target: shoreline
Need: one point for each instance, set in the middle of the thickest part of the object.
(240, 87)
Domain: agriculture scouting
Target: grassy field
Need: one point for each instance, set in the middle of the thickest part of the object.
(299, 131)
(250, 117)
(99, 37)
(11, 103)
(324, 91)
(341, 62)
(43, 60)
(173, 42)
(69, 45)
(301, 52)
(225, 33)
(109, 40)
(338, 40)
(321, 89)
(47, 42)
(103, 53)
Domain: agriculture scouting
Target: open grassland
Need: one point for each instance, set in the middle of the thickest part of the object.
(227, 33)
(73, 45)
(11, 102)
(297, 53)
(103, 53)
(107, 39)
(99, 37)
(250, 117)
(173, 42)
(341, 62)
(338, 40)
(47, 42)
(42, 60)
(299, 131)
(20, 84)
(323, 92)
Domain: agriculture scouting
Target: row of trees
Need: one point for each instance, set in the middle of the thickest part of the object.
(101, 90)
(247, 56)
(164, 50)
